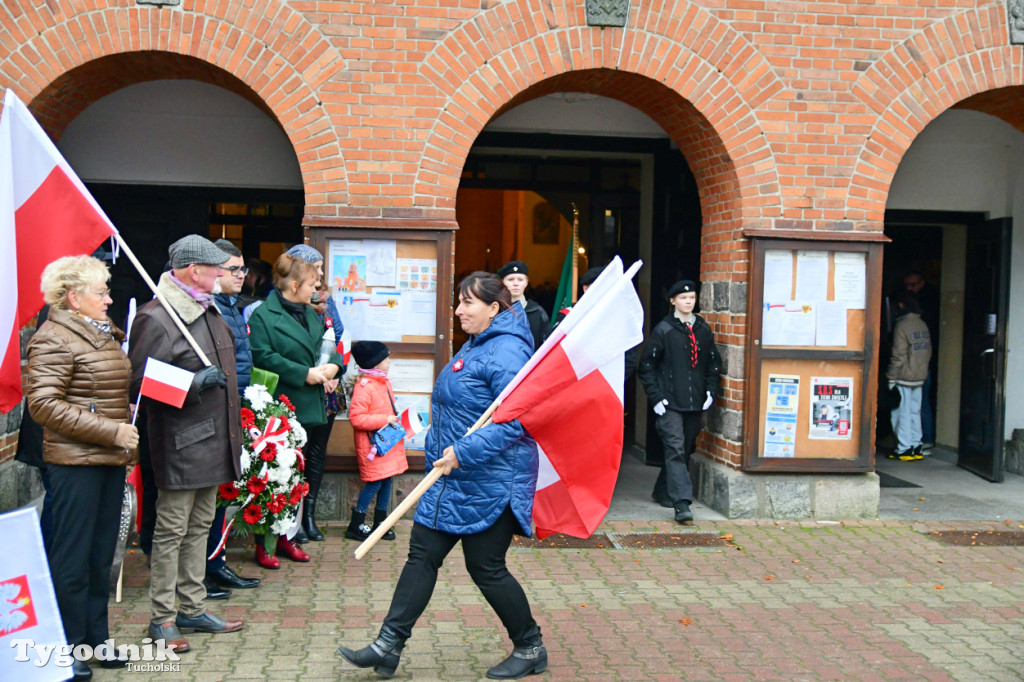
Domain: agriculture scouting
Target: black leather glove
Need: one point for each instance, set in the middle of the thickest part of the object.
(208, 377)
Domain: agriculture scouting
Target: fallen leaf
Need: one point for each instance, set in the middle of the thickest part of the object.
(796, 561)
(915, 508)
(131, 551)
(941, 561)
(769, 577)
(939, 587)
(807, 575)
(920, 499)
(727, 537)
(585, 605)
(686, 621)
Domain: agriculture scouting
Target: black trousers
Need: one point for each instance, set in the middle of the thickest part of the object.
(149, 491)
(678, 431)
(485, 561)
(86, 514)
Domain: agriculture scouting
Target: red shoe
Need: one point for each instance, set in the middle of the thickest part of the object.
(290, 550)
(268, 561)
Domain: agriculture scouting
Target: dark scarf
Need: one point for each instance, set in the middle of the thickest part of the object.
(296, 310)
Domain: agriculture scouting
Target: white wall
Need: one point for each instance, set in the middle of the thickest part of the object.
(968, 161)
(180, 132)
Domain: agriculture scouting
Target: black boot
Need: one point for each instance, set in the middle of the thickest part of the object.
(523, 661)
(357, 528)
(378, 517)
(382, 655)
(308, 525)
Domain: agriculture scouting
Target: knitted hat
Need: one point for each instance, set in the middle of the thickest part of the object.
(683, 286)
(305, 252)
(513, 267)
(195, 250)
(588, 277)
(369, 354)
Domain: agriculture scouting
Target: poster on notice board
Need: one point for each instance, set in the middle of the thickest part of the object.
(831, 408)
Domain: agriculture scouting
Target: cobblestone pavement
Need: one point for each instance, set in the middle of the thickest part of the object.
(781, 601)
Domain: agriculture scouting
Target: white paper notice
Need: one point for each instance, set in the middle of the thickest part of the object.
(788, 324)
(811, 275)
(380, 262)
(417, 274)
(419, 313)
(411, 375)
(831, 322)
(849, 280)
(384, 316)
(352, 308)
(778, 275)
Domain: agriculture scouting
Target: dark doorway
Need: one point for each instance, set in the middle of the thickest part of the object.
(152, 217)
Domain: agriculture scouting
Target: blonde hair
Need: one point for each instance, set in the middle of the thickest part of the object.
(71, 273)
(289, 268)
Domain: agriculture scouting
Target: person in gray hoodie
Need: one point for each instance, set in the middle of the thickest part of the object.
(908, 369)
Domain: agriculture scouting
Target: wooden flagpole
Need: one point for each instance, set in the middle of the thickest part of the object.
(160, 297)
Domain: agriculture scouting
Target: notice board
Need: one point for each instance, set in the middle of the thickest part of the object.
(814, 310)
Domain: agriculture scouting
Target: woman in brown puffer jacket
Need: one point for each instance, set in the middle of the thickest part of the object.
(78, 391)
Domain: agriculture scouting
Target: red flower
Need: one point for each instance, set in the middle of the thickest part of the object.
(287, 403)
(253, 514)
(277, 504)
(298, 492)
(268, 453)
(285, 425)
(228, 491)
(256, 485)
(248, 418)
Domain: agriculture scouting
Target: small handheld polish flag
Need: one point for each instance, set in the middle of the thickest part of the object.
(411, 422)
(165, 383)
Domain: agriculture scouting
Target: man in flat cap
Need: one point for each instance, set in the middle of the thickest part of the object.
(193, 449)
(679, 370)
(516, 277)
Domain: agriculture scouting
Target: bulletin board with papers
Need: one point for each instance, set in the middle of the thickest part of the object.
(814, 310)
(392, 286)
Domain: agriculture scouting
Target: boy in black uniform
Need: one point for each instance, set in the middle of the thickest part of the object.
(516, 277)
(679, 370)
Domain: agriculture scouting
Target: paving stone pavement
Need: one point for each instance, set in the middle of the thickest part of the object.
(873, 600)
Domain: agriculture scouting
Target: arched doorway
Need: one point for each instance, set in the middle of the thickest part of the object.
(952, 210)
(570, 155)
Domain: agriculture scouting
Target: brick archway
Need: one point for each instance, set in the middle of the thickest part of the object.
(918, 80)
(675, 72)
(271, 56)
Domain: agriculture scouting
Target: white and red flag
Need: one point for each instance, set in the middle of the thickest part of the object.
(569, 397)
(411, 422)
(165, 383)
(45, 213)
(345, 346)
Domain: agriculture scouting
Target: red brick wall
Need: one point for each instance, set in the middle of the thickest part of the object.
(791, 115)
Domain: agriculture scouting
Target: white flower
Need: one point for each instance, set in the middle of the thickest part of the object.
(280, 475)
(283, 524)
(298, 433)
(286, 458)
(258, 397)
(246, 460)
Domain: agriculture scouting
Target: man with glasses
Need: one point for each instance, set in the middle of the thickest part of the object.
(220, 579)
(193, 448)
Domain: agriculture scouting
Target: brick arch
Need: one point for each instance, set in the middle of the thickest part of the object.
(676, 72)
(272, 56)
(919, 79)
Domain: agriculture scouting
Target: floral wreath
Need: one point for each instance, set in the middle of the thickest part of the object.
(271, 486)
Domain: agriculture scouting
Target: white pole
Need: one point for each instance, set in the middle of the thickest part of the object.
(160, 297)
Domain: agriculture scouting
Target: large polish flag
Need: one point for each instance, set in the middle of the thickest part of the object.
(45, 213)
(569, 397)
(164, 382)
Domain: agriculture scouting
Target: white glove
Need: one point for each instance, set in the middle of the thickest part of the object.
(659, 408)
(707, 403)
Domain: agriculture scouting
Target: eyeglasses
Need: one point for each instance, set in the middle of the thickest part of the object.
(102, 293)
(237, 270)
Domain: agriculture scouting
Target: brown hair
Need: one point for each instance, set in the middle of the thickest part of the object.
(486, 287)
(291, 269)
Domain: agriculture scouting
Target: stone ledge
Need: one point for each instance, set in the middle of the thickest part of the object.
(740, 495)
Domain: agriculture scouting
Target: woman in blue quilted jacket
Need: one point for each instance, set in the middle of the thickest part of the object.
(486, 494)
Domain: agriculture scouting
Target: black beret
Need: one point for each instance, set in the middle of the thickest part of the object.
(513, 267)
(590, 275)
(683, 286)
(369, 354)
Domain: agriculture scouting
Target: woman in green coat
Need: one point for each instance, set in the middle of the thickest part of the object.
(285, 335)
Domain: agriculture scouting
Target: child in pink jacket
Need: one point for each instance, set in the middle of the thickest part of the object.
(373, 407)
